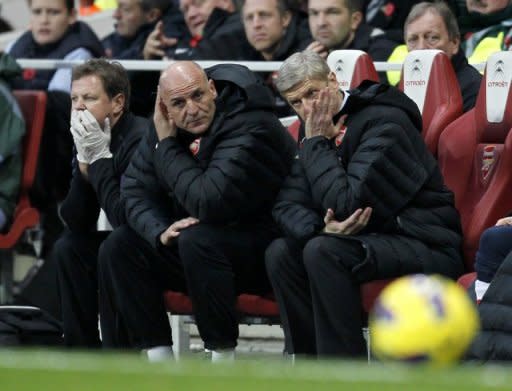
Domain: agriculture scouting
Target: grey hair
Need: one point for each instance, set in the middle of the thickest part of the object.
(299, 67)
(440, 8)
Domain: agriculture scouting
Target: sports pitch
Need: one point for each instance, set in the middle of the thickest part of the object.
(53, 370)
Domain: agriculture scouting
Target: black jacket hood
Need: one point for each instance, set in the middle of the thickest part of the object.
(373, 93)
(239, 89)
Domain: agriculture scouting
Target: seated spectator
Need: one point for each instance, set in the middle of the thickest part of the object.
(493, 265)
(495, 245)
(487, 28)
(199, 192)
(206, 20)
(274, 32)
(365, 201)
(54, 34)
(339, 24)
(105, 135)
(433, 26)
(135, 20)
(12, 129)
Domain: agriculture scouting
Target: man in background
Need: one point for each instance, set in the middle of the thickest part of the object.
(433, 26)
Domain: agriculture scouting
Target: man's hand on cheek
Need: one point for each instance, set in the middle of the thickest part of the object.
(164, 124)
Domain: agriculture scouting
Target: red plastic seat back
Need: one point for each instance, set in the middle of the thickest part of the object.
(429, 80)
(33, 107)
(475, 155)
(351, 67)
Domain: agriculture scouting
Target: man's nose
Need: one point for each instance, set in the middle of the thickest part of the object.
(79, 105)
(192, 11)
(422, 44)
(308, 106)
(45, 17)
(257, 21)
(192, 108)
(321, 19)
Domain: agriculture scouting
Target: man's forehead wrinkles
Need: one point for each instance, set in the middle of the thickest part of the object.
(299, 90)
(183, 91)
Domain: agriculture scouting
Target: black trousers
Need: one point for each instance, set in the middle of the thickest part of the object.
(317, 289)
(76, 258)
(210, 263)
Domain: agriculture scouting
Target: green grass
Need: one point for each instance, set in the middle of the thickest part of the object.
(52, 370)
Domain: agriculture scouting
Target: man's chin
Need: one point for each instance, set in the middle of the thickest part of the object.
(200, 129)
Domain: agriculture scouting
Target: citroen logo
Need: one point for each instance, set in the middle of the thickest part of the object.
(339, 67)
(416, 69)
(499, 73)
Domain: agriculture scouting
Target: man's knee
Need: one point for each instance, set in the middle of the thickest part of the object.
(112, 249)
(314, 252)
(495, 238)
(196, 243)
(276, 257)
(64, 249)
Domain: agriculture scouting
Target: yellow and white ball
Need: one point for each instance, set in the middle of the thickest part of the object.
(423, 318)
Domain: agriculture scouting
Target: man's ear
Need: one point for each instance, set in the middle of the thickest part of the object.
(211, 87)
(332, 81)
(118, 103)
(286, 18)
(72, 16)
(454, 46)
(355, 20)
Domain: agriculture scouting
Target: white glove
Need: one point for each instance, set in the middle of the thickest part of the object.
(97, 142)
(78, 132)
(94, 142)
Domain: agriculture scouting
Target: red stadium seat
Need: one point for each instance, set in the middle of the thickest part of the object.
(429, 80)
(351, 67)
(248, 306)
(475, 156)
(33, 105)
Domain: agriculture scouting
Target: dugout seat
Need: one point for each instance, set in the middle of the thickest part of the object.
(33, 106)
(429, 80)
(475, 157)
(351, 67)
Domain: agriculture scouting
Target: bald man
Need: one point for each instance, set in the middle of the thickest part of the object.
(199, 193)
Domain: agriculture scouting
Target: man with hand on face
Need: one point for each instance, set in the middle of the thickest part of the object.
(105, 135)
(209, 22)
(339, 24)
(365, 200)
(198, 193)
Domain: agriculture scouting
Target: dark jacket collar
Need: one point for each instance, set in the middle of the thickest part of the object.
(459, 60)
